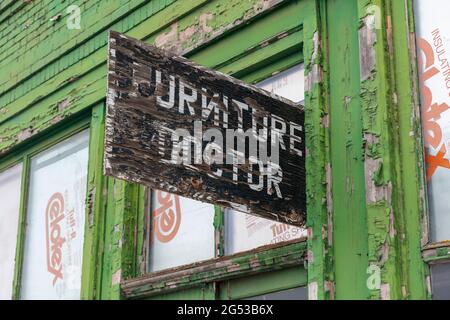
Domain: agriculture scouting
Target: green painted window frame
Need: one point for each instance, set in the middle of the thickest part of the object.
(270, 60)
(275, 281)
(211, 274)
(432, 252)
(23, 154)
(417, 251)
(114, 208)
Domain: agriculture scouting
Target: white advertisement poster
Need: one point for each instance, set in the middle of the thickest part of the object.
(182, 231)
(10, 184)
(55, 221)
(289, 84)
(244, 232)
(433, 43)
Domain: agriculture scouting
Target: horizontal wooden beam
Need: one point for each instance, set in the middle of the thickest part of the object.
(262, 259)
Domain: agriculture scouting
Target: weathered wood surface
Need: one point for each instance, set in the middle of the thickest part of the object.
(152, 93)
(283, 255)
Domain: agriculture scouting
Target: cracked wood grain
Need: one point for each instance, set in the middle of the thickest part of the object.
(152, 94)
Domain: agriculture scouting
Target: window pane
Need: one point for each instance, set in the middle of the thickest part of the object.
(291, 294)
(433, 42)
(10, 184)
(440, 276)
(246, 232)
(182, 231)
(289, 84)
(55, 221)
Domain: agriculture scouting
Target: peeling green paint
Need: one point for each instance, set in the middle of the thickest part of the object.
(318, 186)
(347, 159)
(242, 264)
(365, 185)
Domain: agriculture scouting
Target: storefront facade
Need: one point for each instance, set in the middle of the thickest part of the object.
(373, 78)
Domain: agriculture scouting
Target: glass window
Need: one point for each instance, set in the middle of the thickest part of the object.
(10, 185)
(54, 232)
(245, 232)
(291, 294)
(182, 231)
(433, 43)
(440, 277)
(289, 84)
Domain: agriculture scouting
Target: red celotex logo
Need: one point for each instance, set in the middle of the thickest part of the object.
(431, 110)
(166, 222)
(53, 217)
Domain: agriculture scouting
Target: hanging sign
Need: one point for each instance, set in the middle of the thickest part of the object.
(179, 127)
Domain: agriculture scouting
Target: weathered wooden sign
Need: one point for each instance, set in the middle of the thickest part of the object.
(176, 126)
